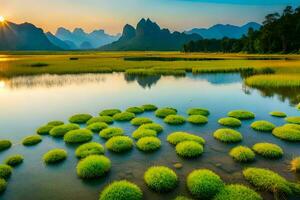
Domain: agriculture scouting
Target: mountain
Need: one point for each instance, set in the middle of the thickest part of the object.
(148, 36)
(23, 37)
(57, 42)
(220, 31)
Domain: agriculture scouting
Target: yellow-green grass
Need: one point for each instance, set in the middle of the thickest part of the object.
(3, 185)
(78, 136)
(124, 116)
(189, 149)
(14, 160)
(31, 140)
(111, 132)
(295, 164)
(5, 144)
(152, 126)
(5, 171)
(268, 150)
(138, 121)
(106, 119)
(119, 144)
(237, 192)
(230, 122)
(274, 81)
(263, 126)
(289, 132)
(148, 144)
(177, 137)
(54, 156)
(293, 120)
(198, 111)
(139, 133)
(242, 154)
(227, 135)
(277, 114)
(87, 149)
(197, 119)
(174, 119)
(97, 126)
(241, 114)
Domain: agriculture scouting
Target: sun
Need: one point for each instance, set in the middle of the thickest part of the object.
(2, 19)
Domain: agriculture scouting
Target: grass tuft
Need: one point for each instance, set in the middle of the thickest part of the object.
(55, 156)
(61, 130)
(80, 118)
(230, 122)
(237, 192)
(241, 114)
(189, 149)
(105, 119)
(277, 114)
(87, 149)
(135, 110)
(109, 112)
(177, 137)
(138, 121)
(268, 150)
(111, 132)
(197, 119)
(149, 107)
(139, 133)
(148, 144)
(228, 135)
(198, 111)
(164, 112)
(174, 119)
(289, 132)
(152, 126)
(242, 154)
(14, 160)
(31, 140)
(124, 116)
(5, 144)
(78, 136)
(293, 120)
(119, 144)
(97, 126)
(295, 164)
(263, 126)
(5, 171)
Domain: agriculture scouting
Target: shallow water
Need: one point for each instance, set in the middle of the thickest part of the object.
(28, 102)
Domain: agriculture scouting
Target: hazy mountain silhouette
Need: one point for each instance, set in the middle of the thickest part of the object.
(220, 31)
(149, 36)
(57, 42)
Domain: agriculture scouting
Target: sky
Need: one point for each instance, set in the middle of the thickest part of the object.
(112, 15)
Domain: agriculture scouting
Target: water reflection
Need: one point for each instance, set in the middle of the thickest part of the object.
(143, 81)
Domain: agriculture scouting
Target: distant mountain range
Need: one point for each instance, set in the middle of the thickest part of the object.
(220, 31)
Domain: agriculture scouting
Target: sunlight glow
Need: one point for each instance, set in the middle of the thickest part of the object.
(2, 19)
(2, 85)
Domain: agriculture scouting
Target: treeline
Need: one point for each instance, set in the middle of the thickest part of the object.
(278, 34)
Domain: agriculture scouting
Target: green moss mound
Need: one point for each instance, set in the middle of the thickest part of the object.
(14, 160)
(61, 130)
(148, 144)
(5, 144)
(289, 132)
(177, 137)
(119, 144)
(138, 121)
(293, 120)
(135, 110)
(237, 192)
(242, 154)
(198, 111)
(230, 121)
(149, 107)
(80, 118)
(139, 133)
(268, 150)
(277, 114)
(5, 171)
(204, 184)
(44, 130)
(31, 140)
(124, 116)
(93, 166)
(197, 119)
(152, 126)
(241, 114)
(161, 179)
(111, 132)
(55, 123)
(163, 112)
(87, 149)
(121, 190)
(78, 136)
(105, 119)
(97, 126)
(295, 164)
(263, 126)
(174, 119)
(228, 135)
(55, 156)
(189, 149)
(3, 185)
(182, 198)
(109, 112)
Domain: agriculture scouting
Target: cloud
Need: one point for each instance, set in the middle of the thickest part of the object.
(249, 2)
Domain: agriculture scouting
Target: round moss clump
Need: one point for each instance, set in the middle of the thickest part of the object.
(60, 131)
(198, 111)
(5, 144)
(97, 126)
(139, 133)
(111, 132)
(204, 184)
(163, 112)
(80, 118)
(177, 137)
(121, 190)
(277, 114)
(109, 112)
(152, 126)
(289, 132)
(14, 160)
(135, 110)
(235, 192)
(263, 126)
(230, 121)
(293, 120)
(87, 149)
(140, 121)
(44, 130)
(55, 156)
(149, 107)
(55, 123)
(242, 154)
(241, 114)
(78, 136)
(93, 166)
(119, 144)
(161, 179)
(189, 149)
(228, 135)
(182, 198)
(3, 185)
(148, 144)
(268, 150)
(124, 116)
(31, 140)
(295, 164)
(5, 171)
(197, 119)
(174, 119)
(105, 119)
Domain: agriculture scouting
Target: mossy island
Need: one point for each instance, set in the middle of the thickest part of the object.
(227, 135)
(14, 160)
(119, 144)
(197, 119)
(164, 112)
(109, 112)
(148, 144)
(268, 150)
(111, 132)
(198, 111)
(293, 120)
(124, 116)
(263, 126)
(138, 121)
(97, 126)
(5, 171)
(177, 137)
(174, 119)
(139, 133)
(44, 130)
(152, 126)
(135, 110)
(295, 164)
(61, 130)
(78, 136)
(289, 132)
(55, 156)
(55, 123)
(3, 185)
(277, 114)
(87, 149)
(149, 107)
(242, 154)
(31, 140)
(241, 114)
(230, 122)
(237, 192)
(182, 198)
(5, 144)
(189, 149)
(80, 118)
(105, 119)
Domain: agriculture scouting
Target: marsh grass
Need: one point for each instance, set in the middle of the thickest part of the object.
(237, 192)
(153, 72)
(5, 144)
(268, 150)
(138, 121)
(31, 140)
(274, 81)
(109, 112)
(61, 130)
(124, 116)
(164, 112)
(263, 126)
(5, 171)
(293, 120)
(119, 144)
(55, 156)
(174, 119)
(277, 114)
(3, 185)
(289, 132)
(97, 126)
(45, 129)
(241, 114)
(230, 122)
(139, 133)
(148, 144)
(295, 164)
(78, 136)
(177, 137)
(242, 154)
(198, 111)
(135, 110)
(152, 126)
(149, 107)
(197, 119)
(87, 149)
(105, 119)
(189, 149)
(111, 132)
(14, 160)
(228, 135)
(80, 118)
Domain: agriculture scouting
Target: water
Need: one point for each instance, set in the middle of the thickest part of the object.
(28, 102)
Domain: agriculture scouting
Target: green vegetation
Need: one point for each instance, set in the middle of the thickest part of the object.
(61, 130)
(228, 135)
(277, 114)
(230, 121)
(242, 154)
(274, 81)
(198, 111)
(149, 107)
(139, 133)
(152, 126)
(235, 192)
(111, 132)
(55, 123)
(3, 185)
(119, 144)
(163, 112)
(109, 112)
(105, 119)
(197, 119)
(31, 140)
(241, 114)
(263, 126)
(135, 110)
(87, 149)
(44, 130)
(155, 71)
(204, 184)
(5, 144)
(78, 136)
(55, 156)
(182, 198)
(189, 149)
(121, 190)
(93, 166)
(148, 144)
(14, 160)
(39, 64)
(174, 119)
(289, 132)
(97, 126)
(177, 137)
(5, 171)
(138, 121)
(293, 120)
(268, 150)
(295, 164)
(80, 118)
(124, 116)
(161, 179)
